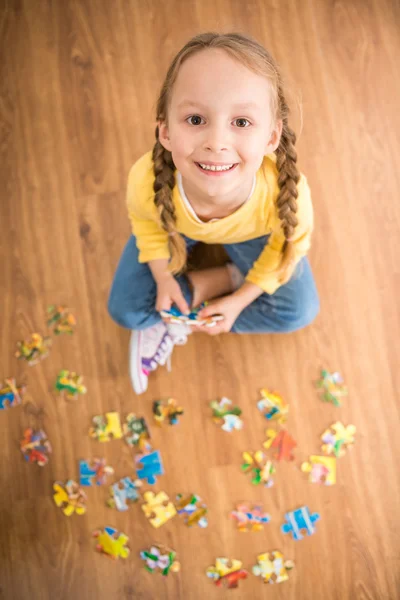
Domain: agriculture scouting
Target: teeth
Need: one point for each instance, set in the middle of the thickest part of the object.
(214, 168)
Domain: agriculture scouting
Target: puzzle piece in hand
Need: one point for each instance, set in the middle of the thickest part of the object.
(33, 350)
(174, 315)
(111, 542)
(94, 471)
(106, 427)
(61, 319)
(11, 394)
(136, 432)
(150, 466)
(299, 520)
(35, 447)
(250, 518)
(168, 409)
(71, 383)
(272, 567)
(193, 508)
(158, 508)
(321, 469)
(337, 439)
(160, 557)
(282, 442)
(261, 468)
(226, 571)
(273, 407)
(69, 497)
(123, 493)
(227, 415)
(332, 387)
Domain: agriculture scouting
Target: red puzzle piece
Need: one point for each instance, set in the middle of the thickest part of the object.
(282, 442)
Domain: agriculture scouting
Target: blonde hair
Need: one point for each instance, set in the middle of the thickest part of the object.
(255, 57)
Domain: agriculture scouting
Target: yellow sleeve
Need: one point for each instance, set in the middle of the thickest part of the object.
(151, 239)
(265, 271)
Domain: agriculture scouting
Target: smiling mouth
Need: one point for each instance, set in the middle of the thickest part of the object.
(216, 170)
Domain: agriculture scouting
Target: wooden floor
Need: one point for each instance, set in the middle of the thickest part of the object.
(78, 86)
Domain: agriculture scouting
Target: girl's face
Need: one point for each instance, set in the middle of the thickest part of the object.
(219, 114)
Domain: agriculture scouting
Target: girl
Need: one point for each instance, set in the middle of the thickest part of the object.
(223, 170)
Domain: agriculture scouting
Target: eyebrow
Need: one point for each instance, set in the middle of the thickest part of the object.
(242, 106)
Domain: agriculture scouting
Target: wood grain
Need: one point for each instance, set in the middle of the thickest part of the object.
(78, 86)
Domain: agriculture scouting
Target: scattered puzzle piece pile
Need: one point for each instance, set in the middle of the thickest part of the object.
(35, 447)
(60, 319)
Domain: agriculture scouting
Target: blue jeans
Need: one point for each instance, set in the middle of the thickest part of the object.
(293, 306)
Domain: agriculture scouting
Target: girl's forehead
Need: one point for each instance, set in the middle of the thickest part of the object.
(212, 75)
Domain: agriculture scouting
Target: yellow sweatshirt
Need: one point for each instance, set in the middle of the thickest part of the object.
(256, 217)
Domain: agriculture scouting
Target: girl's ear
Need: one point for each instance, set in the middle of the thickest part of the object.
(275, 137)
(163, 135)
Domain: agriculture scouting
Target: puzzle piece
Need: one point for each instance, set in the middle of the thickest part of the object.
(11, 394)
(321, 469)
(193, 508)
(273, 407)
(35, 447)
(250, 518)
(123, 493)
(150, 466)
(167, 410)
(158, 508)
(282, 441)
(69, 497)
(106, 427)
(226, 571)
(261, 468)
(224, 413)
(174, 315)
(71, 383)
(112, 543)
(332, 387)
(337, 439)
(136, 432)
(94, 471)
(33, 350)
(160, 557)
(298, 520)
(272, 568)
(61, 319)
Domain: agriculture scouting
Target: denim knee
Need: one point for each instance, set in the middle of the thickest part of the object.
(130, 317)
(302, 315)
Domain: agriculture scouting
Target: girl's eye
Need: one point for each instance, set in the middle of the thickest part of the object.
(194, 117)
(241, 119)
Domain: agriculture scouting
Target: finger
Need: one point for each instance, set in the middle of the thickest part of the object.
(182, 304)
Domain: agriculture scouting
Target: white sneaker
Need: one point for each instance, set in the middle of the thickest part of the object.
(149, 348)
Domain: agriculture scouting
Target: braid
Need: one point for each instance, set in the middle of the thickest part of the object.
(163, 166)
(288, 178)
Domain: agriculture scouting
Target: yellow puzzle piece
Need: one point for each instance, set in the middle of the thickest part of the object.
(69, 497)
(158, 508)
(106, 427)
(321, 469)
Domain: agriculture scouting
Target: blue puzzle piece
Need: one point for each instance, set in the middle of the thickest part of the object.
(300, 519)
(87, 475)
(124, 491)
(150, 466)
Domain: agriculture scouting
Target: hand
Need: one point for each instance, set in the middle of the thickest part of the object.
(169, 292)
(228, 307)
